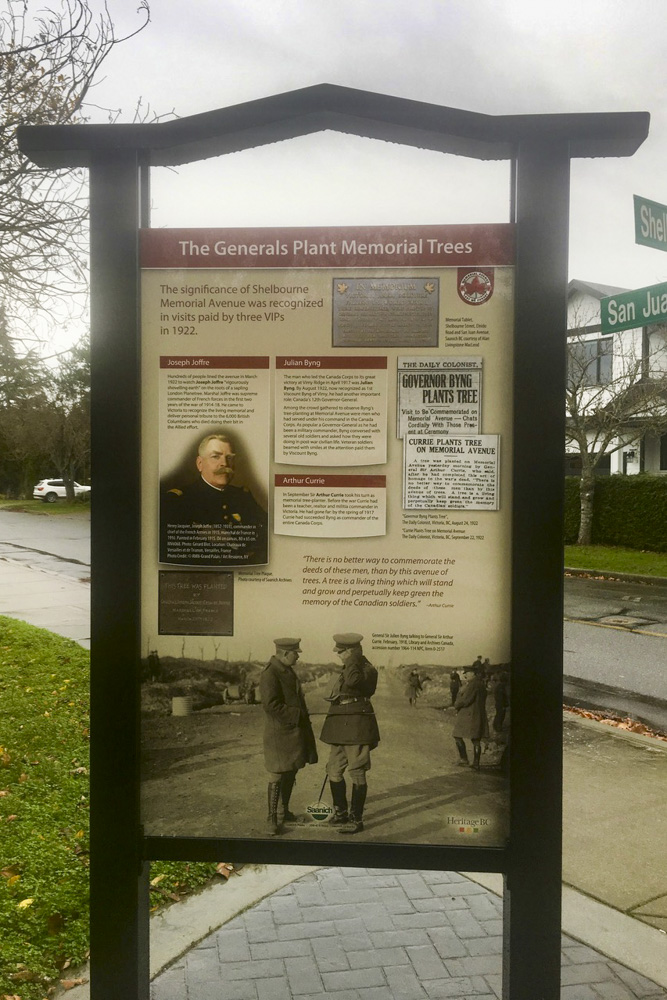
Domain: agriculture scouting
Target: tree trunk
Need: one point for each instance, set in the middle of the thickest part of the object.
(69, 488)
(586, 493)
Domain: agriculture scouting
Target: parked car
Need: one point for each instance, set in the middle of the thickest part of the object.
(49, 490)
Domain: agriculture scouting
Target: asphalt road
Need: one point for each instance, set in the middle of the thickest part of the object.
(55, 543)
(615, 647)
(615, 632)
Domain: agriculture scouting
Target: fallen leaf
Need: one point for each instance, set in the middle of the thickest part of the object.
(25, 903)
(224, 869)
(69, 984)
(157, 879)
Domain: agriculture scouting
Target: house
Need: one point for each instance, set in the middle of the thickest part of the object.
(616, 390)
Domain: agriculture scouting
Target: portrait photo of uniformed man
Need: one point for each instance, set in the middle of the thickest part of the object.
(206, 520)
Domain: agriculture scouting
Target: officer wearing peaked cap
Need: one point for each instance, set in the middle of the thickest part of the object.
(289, 743)
(351, 730)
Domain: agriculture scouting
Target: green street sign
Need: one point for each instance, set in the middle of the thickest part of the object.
(630, 310)
(650, 223)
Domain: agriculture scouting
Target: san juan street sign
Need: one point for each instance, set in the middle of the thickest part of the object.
(632, 310)
(650, 223)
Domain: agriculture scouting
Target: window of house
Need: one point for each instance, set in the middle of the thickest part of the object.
(663, 453)
(590, 361)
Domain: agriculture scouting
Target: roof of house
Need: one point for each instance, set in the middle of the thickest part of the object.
(592, 288)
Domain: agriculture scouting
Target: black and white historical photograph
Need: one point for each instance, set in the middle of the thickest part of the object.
(287, 747)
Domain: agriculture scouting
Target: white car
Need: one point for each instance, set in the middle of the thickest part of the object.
(49, 490)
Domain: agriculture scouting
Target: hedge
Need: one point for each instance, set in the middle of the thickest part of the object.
(627, 510)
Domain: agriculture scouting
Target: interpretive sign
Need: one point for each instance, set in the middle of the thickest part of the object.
(631, 310)
(650, 223)
(327, 428)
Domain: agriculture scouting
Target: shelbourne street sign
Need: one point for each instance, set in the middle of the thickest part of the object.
(650, 223)
(630, 310)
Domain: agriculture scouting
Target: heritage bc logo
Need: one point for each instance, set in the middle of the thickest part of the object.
(475, 287)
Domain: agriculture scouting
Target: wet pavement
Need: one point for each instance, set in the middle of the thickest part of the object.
(626, 604)
(58, 543)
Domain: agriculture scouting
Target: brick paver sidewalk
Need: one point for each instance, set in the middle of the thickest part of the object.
(371, 934)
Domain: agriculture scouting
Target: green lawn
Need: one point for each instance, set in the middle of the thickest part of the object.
(78, 507)
(44, 813)
(610, 559)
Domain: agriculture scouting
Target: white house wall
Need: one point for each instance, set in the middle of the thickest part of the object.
(584, 311)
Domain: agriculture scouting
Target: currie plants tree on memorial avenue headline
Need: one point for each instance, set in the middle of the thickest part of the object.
(327, 441)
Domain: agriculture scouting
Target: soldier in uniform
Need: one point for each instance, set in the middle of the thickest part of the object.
(289, 743)
(211, 500)
(471, 721)
(351, 730)
(414, 687)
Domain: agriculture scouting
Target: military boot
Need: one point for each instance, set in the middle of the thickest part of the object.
(355, 820)
(339, 799)
(272, 823)
(286, 786)
(463, 753)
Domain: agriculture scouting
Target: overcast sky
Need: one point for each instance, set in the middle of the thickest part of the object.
(490, 56)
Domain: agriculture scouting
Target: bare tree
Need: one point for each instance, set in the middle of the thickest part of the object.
(48, 62)
(616, 395)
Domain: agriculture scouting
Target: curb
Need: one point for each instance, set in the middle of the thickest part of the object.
(643, 948)
(177, 929)
(603, 574)
(639, 739)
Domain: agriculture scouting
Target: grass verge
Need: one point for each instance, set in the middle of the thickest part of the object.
(44, 813)
(613, 559)
(80, 508)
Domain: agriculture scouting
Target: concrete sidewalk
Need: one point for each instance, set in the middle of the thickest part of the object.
(49, 600)
(370, 933)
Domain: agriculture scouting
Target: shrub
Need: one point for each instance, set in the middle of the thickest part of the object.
(627, 510)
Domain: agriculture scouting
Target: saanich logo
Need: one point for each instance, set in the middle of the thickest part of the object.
(475, 287)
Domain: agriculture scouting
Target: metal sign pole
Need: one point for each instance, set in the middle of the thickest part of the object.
(532, 917)
(118, 877)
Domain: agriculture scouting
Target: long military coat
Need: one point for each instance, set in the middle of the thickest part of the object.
(352, 722)
(470, 705)
(289, 743)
